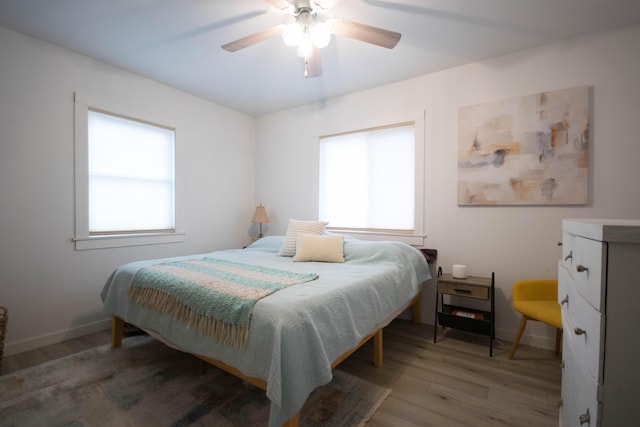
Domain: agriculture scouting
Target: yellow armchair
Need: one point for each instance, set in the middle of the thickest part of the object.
(537, 300)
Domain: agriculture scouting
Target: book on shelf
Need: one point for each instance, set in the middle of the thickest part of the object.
(468, 314)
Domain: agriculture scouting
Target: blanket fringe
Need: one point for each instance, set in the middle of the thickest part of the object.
(226, 333)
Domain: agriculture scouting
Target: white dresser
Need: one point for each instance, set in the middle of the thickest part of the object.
(599, 292)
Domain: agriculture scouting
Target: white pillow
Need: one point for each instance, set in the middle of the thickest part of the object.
(327, 248)
(288, 248)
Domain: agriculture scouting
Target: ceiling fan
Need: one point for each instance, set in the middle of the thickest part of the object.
(311, 30)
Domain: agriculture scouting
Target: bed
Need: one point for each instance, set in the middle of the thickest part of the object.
(299, 333)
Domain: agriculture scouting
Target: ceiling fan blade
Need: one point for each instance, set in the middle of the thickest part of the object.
(283, 5)
(325, 4)
(365, 33)
(313, 65)
(252, 39)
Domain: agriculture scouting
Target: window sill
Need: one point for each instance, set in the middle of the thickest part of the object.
(117, 241)
(411, 239)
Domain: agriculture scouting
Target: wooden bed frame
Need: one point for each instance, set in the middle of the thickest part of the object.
(117, 333)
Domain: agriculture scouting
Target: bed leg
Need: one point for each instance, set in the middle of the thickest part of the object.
(416, 309)
(117, 331)
(377, 349)
(293, 421)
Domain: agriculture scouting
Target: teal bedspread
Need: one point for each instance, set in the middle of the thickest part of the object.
(295, 333)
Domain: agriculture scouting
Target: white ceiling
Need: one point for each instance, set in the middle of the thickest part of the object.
(177, 42)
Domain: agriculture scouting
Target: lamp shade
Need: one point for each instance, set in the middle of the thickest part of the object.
(260, 215)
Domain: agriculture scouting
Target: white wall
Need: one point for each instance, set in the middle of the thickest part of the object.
(51, 290)
(513, 242)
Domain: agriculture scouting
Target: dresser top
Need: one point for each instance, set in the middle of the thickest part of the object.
(607, 230)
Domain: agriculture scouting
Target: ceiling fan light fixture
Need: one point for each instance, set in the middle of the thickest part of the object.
(320, 33)
(305, 47)
(292, 34)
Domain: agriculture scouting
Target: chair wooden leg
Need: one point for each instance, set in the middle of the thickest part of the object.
(516, 341)
(558, 340)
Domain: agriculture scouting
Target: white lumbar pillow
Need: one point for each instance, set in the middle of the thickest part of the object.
(326, 248)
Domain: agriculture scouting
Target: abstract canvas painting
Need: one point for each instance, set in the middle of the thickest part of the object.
(531, 150)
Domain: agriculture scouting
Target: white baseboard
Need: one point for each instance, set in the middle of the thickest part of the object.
(545, 342)
(11, 348)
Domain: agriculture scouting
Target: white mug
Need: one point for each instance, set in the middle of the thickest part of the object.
(459, 271)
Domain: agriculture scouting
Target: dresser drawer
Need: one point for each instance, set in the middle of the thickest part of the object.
(580, 406)
(584, 259)
(583, 329)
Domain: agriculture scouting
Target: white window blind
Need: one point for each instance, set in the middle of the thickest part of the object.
(131, 176)
(367, 179)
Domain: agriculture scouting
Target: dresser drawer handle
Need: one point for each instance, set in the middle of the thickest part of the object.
(579, 331)
(565, 300)
(568, 257)
(582, 269)
(462, 291)
(585, 418)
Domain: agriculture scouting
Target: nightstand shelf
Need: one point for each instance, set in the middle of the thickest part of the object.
(465, 318)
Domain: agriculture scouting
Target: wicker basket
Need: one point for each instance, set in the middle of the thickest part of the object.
(3, 329)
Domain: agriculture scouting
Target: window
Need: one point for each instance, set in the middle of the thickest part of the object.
(130, 164)
(371, 181)
(125, 178)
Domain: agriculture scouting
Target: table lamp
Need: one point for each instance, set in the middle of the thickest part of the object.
(260, 216)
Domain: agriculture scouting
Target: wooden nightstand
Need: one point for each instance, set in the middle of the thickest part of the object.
(464, 318)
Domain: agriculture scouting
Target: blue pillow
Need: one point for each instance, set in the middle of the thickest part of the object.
(268, 243)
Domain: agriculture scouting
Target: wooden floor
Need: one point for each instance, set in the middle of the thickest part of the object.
(451, 383)
(456, 383)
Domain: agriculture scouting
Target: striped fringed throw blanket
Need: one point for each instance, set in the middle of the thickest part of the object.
(213, 295)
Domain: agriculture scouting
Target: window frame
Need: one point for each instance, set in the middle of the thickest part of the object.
(417, 238)
(83, 239)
